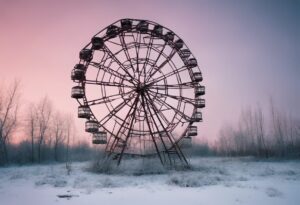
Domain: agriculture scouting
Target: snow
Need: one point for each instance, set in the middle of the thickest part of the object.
(211, 181)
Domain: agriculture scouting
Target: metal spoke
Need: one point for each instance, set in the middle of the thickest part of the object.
(151, 69)
(157, 128)
(118, 62)
(166, 75)
(110, 71)
(115, 111)
(130, 129)
(177, 148)
(110, 98)
(174, 86)
(185, 99)
(151, 133)
(171, 107)
(163, 63)
(125, 48)
(137, 47)
(124, 120)
(113, 84)
(149, 45)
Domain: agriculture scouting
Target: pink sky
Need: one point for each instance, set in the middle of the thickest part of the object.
(247, 50)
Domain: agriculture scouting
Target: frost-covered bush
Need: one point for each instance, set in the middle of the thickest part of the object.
(191, 179)
(129, 167)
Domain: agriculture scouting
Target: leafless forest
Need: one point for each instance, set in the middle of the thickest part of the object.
(271, 134)
(48, 135)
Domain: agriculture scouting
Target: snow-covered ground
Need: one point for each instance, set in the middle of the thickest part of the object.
(211, 181)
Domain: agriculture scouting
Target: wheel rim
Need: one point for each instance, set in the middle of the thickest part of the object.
(140, 87)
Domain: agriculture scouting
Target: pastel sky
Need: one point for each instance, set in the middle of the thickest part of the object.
(248, 50)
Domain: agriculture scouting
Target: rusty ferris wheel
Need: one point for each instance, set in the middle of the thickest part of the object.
(138, 87)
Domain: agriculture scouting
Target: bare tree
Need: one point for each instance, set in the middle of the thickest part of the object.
(44, 112)
(260, 133)
(278, 129)
(225, 142)
(9, 106)
(31, 128)
(247, 130)
(69, 132)
(297, 137)
(292, 131)
(59, 129)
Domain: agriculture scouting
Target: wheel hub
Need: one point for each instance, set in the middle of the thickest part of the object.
(141, 88)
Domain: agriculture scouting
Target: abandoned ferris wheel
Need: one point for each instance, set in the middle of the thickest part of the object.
(138, 87)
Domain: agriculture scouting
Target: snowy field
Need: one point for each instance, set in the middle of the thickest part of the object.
(211, 181)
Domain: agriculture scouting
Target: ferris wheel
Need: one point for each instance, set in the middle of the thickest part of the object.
(138, 87)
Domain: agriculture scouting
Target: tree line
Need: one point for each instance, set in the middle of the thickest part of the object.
(47, 134)
(270, 134)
